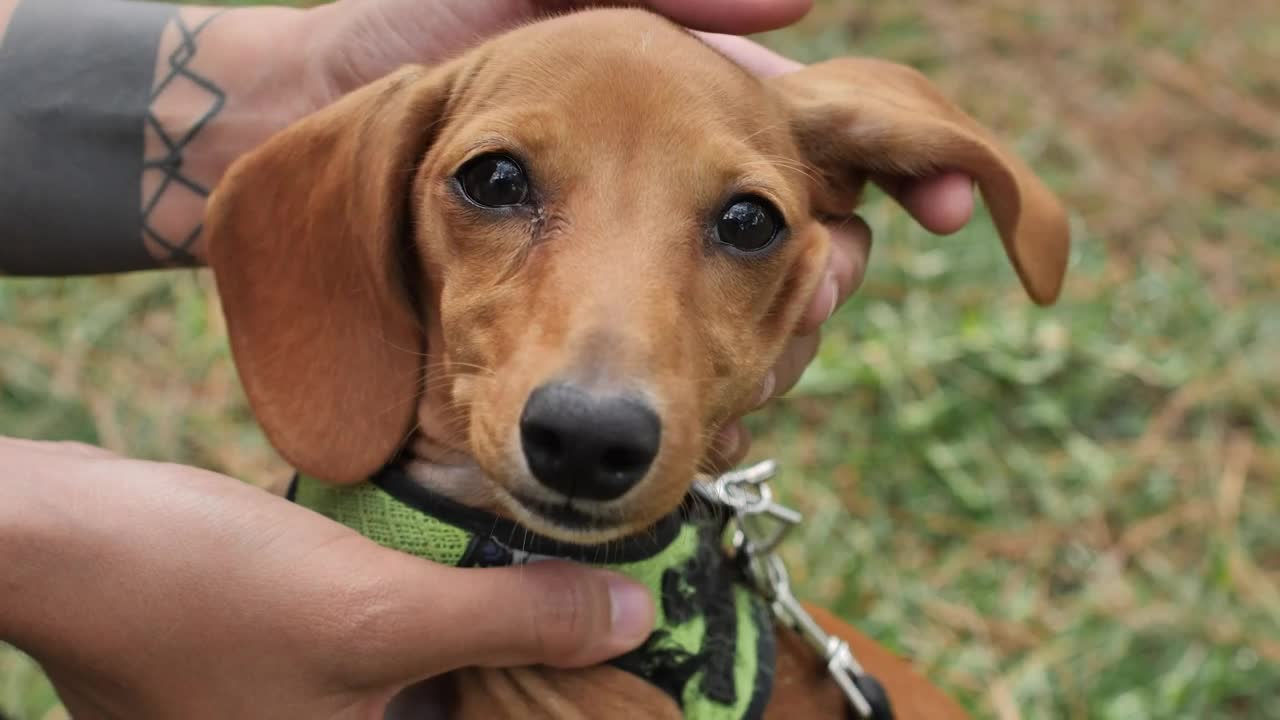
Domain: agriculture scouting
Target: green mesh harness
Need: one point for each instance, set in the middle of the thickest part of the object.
(712, 648)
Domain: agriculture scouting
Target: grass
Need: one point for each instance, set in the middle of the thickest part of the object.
(1068, 512)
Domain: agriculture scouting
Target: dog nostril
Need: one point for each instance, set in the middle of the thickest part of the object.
(588, 446)
(625, 459)
(543, 438)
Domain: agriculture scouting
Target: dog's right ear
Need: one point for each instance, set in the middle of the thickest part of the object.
(309, 238)
(855, 118)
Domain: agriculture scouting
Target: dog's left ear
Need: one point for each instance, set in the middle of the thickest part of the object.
(857, 118)
(311, 240)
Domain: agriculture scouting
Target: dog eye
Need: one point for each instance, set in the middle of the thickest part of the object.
(748, 224)
(494, 181)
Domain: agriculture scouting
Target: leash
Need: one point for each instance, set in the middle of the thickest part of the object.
(759, 525)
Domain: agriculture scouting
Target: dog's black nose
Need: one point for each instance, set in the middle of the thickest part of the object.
(585, 445)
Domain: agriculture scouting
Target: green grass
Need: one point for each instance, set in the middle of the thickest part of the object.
(1067, 512)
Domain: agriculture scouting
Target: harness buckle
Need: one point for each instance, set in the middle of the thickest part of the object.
(761, 522)
(759, 526)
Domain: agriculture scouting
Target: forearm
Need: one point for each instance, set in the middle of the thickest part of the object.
(117, 119)
(26, 528)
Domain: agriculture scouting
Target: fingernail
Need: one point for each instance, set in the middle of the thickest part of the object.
(632, 612)
(766, 389)
(829, 285)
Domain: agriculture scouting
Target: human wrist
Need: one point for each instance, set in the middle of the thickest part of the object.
(122, 116)
(225, 81)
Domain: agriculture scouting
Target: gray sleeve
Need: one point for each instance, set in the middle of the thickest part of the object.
(75, 85)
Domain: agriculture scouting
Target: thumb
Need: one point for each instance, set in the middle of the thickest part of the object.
(549, 613)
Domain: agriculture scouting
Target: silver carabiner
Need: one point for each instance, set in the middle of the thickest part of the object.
(747, 493)
(735, 488)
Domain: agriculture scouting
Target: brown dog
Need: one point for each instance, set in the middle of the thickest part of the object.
(546, 272)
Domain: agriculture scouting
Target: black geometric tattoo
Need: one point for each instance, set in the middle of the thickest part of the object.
(178, 249)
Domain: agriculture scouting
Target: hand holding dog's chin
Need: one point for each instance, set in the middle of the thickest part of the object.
(149, 590)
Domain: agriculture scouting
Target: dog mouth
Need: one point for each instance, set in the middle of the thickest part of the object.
(566, 515)
(572, 520)
(567, 518)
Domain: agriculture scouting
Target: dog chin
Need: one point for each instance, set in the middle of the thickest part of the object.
(515, 495)
(564, 520)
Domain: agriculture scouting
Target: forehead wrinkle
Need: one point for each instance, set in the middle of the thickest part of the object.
(527, 128)
(753, 180)
(675, 62)
(604, 87)
(769, 175)
(742, 167)
(680, 114)
(489, 125)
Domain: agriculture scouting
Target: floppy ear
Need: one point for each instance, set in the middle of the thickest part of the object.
(856, 118)
(309, 238)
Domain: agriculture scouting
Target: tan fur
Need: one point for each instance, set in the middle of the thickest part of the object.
(371, 309)
(802, 688)
(553, 694)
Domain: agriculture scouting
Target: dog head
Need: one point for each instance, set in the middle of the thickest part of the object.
(571, 254)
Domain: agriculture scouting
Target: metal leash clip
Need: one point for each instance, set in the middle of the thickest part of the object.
(747, 493)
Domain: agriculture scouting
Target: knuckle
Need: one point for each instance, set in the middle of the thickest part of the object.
(851, 241)
(792, 364)
(355, 629)
(810, 345)
(851, 230)
(859, 228)
(565, 617)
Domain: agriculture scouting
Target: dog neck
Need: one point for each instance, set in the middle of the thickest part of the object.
(712, 648)
(451, 473)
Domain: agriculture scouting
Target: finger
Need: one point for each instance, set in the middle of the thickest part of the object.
(740, 17)
(81, 450)
(551, 613)
(754, 57)
(65, 448)
(729, 447)
(793, 361)
(846, 268)
(373, 37)
(942, 203)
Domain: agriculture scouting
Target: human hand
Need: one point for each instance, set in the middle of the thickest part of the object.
(942, 204)
(275, 65)
(262, 68)
(150, 590)
(358, 41)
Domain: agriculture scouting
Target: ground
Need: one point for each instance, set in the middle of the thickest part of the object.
(1057, 513)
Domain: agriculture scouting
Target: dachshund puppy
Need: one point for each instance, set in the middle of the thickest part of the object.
(528, 286)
